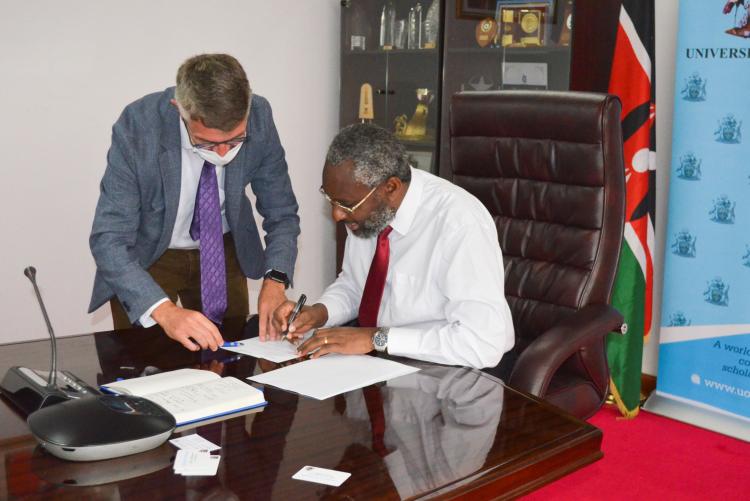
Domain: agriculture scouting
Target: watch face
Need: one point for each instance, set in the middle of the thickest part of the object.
(380, 340)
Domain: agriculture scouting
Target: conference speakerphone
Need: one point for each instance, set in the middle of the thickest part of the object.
(73, 420)
(28, 389)
(103, 427)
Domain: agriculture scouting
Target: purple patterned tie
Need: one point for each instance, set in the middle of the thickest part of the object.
(207, 228)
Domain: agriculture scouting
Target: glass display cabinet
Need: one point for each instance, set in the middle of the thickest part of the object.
(390, 71)
(402, 60)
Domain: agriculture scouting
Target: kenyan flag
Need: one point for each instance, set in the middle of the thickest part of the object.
(632, 79)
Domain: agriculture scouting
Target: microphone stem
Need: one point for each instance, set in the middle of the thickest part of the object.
(52, 378)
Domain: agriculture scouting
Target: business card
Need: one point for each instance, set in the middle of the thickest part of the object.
(194, 442)
(196, 463)
(321, 476)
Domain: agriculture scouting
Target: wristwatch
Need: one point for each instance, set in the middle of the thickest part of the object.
(277, 276)
(380, 339)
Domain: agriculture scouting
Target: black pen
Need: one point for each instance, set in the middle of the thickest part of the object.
(293, 316)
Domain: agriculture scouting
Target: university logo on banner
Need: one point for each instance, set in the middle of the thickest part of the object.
(704, 353)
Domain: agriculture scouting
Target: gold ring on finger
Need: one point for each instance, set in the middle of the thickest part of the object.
(325, 340)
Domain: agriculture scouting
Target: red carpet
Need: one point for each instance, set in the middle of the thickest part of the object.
(652, 457)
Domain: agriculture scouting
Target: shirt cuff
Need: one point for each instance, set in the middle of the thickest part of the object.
(146, 320)
(404, 342)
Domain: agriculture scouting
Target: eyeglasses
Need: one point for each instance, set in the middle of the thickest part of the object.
(212, 146)
(346, 208)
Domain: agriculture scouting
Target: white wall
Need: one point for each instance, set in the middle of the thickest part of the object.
(666, 41)
(68, 69)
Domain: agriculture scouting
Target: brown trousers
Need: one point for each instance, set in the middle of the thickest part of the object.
(178, 273)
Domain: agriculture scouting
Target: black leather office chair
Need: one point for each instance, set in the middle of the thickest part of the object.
(549, 168)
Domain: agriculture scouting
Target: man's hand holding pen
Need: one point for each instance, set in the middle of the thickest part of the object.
(293, 316)
(308, 318)
(349, 340)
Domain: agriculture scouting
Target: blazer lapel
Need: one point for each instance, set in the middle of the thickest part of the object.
(234, 189)
(170, 165)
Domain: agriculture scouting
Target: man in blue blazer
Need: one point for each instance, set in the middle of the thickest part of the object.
(173, 221)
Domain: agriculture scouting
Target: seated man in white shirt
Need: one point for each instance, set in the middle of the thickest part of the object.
(422, 270)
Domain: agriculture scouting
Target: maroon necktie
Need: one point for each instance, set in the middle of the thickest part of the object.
(373, 292)
(374, 404)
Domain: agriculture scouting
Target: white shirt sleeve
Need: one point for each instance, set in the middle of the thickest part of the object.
(342, 297)
(478, 328)
(146, 320)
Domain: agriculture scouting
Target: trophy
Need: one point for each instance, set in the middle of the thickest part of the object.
(432, 25)
(358, 28)
(416, 127)
(387, 26)
(365, 103)
(486, 31)
(414, 37)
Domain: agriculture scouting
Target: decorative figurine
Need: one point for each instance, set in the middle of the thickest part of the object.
(416, 127)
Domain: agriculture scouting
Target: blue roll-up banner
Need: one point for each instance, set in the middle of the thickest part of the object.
(704, 351)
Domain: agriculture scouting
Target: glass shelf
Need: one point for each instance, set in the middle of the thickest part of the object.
(424, 52)
(550, 51)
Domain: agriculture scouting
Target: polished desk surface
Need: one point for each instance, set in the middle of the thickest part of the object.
(449, 432)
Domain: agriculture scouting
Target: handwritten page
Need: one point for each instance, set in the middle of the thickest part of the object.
(163, 381)
(204, 400)
(275, 351)
(332, 375)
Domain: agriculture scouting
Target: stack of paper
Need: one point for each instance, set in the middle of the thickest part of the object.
(194, 457)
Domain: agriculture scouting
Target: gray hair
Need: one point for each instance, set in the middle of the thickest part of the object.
(376, 154)
(213, 88)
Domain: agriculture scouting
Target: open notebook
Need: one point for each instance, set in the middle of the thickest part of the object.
(192, 395)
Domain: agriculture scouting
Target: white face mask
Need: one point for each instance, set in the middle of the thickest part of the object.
(216, 159)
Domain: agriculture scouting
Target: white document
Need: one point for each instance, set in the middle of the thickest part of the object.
(321, 476)
(194, 442)
(333, 374)
(274, 351)
(193, 463)
(192, 395)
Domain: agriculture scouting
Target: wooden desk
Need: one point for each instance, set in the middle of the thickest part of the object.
(449, 432)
